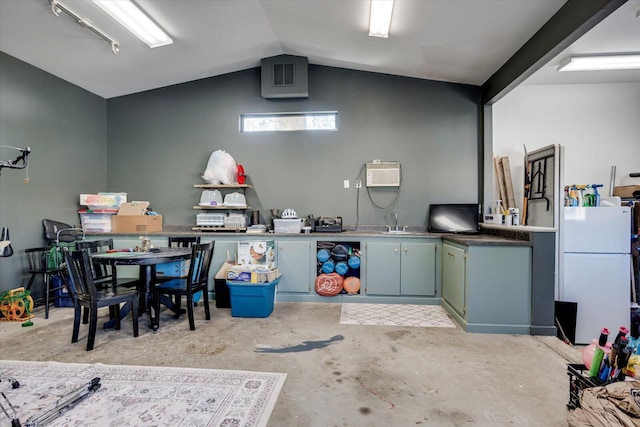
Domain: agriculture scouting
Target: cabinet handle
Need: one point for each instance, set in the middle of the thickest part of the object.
(395, 249)
(406, 250)
(450, 254)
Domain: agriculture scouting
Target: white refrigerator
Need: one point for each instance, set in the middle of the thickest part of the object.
(596, 268)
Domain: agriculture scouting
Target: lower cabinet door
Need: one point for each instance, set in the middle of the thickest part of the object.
(294, 263)
(383, 268)
(418, 269)
(454, 278)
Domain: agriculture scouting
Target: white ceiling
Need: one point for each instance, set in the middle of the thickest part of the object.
(461, 41)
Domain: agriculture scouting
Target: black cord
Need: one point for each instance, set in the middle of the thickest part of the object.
(395, 199)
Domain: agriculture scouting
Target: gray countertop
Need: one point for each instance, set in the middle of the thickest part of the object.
(490, 236)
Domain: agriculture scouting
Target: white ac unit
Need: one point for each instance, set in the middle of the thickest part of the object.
(383, 174)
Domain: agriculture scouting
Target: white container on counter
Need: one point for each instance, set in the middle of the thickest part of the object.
(288, 226)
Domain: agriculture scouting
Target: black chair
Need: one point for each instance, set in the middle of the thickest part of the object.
(197, 280)
(37, 259)
(183, 242)
(166, 272)
(104, 274)
(85, 294)
(56, 232)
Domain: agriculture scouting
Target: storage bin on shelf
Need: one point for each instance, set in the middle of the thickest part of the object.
(96, 221)
(211, 219)
(252, 299)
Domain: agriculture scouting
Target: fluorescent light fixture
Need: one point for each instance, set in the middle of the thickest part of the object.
(600, 62)
(380, 19)
(134, 20)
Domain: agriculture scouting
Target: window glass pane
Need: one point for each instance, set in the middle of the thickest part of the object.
(288, 122)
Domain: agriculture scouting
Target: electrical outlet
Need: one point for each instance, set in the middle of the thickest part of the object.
(358, 183)
(346, 183)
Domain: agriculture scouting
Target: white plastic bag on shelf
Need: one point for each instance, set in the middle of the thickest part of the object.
(221, 169)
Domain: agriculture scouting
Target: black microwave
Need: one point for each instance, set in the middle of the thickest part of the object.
(454, 218)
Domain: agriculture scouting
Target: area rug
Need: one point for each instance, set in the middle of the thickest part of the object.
(143, 396)
(429, 316)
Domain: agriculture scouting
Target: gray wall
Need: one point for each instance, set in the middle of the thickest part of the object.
(65, 126)
(160, 141)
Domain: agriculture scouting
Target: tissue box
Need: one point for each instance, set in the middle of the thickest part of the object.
(261, 252)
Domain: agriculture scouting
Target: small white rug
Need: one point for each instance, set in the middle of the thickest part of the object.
(429, 316)
(143, 396)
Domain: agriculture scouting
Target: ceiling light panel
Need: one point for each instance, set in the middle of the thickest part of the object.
(380, 19)
(133, 19)
(600, 62)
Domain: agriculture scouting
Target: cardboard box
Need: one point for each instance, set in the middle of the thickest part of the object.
(261, 252)
(251, 274)
(625, 190)
(136, 223)
(133, 208)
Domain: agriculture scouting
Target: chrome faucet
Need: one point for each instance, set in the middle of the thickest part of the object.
(396, 229)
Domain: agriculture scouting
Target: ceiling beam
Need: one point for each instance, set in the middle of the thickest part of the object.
(574, 19)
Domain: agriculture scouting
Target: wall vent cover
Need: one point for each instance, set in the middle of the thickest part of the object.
(284, 76)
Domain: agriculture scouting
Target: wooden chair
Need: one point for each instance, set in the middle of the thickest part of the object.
(104, 274)
(37, 259)
(183, 242)
(86, 294)
(172, 270)
(197, 280)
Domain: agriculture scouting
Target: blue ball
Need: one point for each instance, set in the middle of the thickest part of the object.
(328, 267)
(341, 268)
(323, 255)
(354, 262)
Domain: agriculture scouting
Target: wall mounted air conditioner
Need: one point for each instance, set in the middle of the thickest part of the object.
(383, 174)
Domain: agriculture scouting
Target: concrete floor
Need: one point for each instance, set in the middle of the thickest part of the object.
(376, 376)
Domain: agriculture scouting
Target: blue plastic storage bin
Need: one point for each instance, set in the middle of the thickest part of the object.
(252, 299)
(61, 296)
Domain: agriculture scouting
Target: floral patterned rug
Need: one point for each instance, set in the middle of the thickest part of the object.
(141, 395)
(429, 316)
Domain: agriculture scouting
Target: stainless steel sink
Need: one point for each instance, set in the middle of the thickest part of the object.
(396, 232)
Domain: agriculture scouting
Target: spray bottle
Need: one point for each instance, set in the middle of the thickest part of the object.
(595, 193)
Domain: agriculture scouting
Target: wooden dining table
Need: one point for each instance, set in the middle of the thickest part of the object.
(147, 262)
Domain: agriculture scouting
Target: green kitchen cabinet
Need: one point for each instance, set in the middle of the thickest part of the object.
(487, 288)
(401, 268)
(454, 277)
(294, 263)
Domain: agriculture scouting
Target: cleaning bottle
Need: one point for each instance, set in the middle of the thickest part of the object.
(598, 353)
(595, 193)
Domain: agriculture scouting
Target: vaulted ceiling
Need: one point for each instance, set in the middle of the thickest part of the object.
(461, 41)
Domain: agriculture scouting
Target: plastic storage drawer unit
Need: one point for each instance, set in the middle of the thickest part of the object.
(252, 299)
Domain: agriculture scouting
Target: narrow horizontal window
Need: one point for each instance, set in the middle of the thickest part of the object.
(282, 122)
